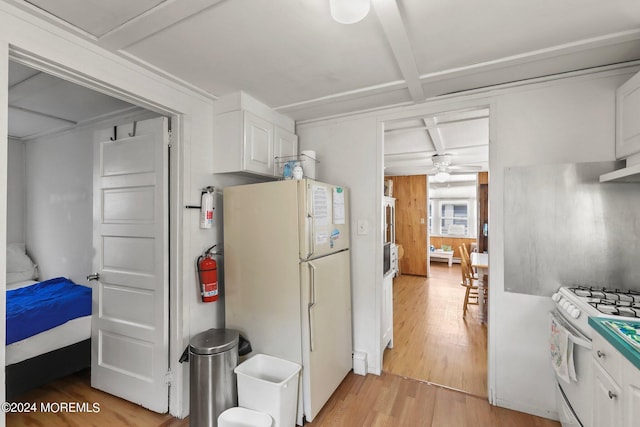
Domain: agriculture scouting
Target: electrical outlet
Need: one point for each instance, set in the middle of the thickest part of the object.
(421, 220)
(363, 227)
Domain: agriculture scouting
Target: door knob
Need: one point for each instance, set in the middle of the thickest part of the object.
(94, 276)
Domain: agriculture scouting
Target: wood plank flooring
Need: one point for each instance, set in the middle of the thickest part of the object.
(432, 341)
(394, 401)
(387, 400)
(77, 388)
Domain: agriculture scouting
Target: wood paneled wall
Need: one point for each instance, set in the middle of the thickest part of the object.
(454, 242)
(483, 210)
(410, 193)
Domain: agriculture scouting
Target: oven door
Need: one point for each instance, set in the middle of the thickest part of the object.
(567, 417)
(574, 399)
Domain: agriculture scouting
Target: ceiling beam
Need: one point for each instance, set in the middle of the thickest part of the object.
(152, 21)
(38, 113)
(31, 86)
(440, 124)
(396, 33)
(429, 153)
(434, 133)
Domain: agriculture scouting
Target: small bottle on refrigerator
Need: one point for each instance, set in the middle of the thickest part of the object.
(297, 171)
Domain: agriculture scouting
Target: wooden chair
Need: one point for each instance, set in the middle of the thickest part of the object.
(464, 254)
(471, 291)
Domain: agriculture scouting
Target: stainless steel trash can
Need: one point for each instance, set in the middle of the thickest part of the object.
(213, 354)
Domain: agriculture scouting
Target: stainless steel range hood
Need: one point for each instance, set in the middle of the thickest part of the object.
(629, 171)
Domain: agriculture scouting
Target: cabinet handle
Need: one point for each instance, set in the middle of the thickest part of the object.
(600, 354)
(612, 395)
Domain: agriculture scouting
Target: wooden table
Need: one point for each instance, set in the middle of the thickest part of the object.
(480, 261)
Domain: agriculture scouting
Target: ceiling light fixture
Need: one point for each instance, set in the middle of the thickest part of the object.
(349, 11)
(442, 176)
(441, 162)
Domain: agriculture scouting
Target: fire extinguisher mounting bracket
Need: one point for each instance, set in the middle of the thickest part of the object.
(209, 189)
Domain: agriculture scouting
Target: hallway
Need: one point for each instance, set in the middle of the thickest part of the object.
(432, 341)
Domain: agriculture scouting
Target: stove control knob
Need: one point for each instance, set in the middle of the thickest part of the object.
(575, 312)
(564, 304)
(556, 297)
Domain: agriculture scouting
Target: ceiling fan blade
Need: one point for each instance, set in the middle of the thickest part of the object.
(465, 167)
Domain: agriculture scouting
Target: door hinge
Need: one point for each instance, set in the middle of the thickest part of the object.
(170, 139)
(168, 377)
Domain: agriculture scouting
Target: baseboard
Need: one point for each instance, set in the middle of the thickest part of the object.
(360, 363)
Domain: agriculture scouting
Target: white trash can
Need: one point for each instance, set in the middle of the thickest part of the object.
(270, 385)
(243, 417)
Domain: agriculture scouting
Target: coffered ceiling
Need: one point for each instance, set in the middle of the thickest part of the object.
(292, 56)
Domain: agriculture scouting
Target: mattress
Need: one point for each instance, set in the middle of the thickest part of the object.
(73, 331)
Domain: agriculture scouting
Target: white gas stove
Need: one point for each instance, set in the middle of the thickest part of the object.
(574, 305)
(577, 303)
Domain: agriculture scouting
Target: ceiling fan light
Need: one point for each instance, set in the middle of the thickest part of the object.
(349, 11)
(441, 176)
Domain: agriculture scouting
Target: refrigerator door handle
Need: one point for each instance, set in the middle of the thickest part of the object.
(311, 217)
(312, 302)
(311, 230)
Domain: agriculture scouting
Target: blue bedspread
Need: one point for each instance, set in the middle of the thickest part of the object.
(45, 305)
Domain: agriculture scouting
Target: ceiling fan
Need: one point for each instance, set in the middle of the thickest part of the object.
(442, 167)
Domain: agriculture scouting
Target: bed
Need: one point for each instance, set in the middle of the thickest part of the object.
(48, 332)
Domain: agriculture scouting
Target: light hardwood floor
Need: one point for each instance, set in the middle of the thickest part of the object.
(388, 400)
(432, 341)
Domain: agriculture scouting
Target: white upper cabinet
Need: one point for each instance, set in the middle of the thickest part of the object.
(628, 118)
(258, 145)
(248, 136)
(286, 148)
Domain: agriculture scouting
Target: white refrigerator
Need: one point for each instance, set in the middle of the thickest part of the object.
(287, 280)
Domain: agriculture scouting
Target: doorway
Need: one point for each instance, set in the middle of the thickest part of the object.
(433, 160)
(57, 118)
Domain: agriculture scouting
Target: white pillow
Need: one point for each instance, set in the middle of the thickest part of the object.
(19, 265)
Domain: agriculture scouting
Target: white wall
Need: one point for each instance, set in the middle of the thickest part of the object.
(559, 121)
(16, 192)
(59, 205)
(568, 122)
(349, 155)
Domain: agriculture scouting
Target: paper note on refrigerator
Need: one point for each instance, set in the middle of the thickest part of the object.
(320, 205)
(338, 206)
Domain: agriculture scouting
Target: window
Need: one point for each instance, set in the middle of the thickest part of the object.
(454, 218)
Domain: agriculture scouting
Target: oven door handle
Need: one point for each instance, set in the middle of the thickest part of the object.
(575, 335)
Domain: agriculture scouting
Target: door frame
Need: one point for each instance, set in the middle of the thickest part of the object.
(436, 107)
(9, 52)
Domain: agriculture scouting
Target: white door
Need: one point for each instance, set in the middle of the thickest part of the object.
(129, 328)
(326, 328)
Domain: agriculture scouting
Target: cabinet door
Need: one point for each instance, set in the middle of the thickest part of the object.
(387, 311)
(258, 145)
(628, 118)
(286, 146)
(631, 396)
(606, 399)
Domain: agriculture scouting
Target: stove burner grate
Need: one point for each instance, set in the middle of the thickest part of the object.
(617, 308)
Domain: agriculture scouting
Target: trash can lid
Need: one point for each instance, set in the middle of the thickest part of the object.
(214, 341)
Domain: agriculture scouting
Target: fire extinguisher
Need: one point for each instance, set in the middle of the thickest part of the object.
(206, 207)
(208, 275)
